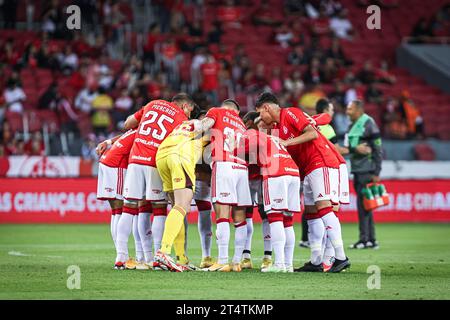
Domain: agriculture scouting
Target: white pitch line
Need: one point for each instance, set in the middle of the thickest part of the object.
(21, 254)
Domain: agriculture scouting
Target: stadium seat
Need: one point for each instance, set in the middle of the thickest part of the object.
(424, 152)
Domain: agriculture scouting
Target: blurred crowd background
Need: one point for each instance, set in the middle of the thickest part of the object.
(64, 90)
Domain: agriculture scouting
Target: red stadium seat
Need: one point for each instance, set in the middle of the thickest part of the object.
(15, 121)
(424, 152)
(50, 119)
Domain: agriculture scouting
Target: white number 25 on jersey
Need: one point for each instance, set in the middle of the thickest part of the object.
(145, 131)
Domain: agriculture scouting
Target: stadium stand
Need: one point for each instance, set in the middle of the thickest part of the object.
(247, 40)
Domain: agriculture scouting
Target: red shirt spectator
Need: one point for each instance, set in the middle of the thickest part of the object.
(210, 72)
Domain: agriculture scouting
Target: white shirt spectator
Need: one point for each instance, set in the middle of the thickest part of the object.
(350, 95)
(106, 77)
(341, 27)
(14, 98)
(124, 103)
(70, 61)
(84, 99)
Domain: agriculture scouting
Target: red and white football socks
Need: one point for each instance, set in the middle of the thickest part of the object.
(204, 226)
(137, 240)
(240, 237)
(223, 239)
(159, 221)
(124, 228)
(333, 230)
(316, 230)
(145, 232)
(266, 237)
(278, 237)
(289, 247)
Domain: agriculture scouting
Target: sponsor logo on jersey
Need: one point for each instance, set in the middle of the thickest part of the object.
(141, 158)
(238, 167)
(177, 179)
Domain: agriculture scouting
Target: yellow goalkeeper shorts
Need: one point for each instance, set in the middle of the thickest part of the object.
(176, 172)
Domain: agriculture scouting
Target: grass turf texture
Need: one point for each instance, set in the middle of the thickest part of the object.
(414, 260)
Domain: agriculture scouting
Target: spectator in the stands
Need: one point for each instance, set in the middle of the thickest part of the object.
(321, 25)
(341, 26)
(47, 59)
(52, 18)
(215, 34)
(102, 106)
(314, 73)
(337, 96)
(394, 124)
(83, 101)
(382, 74)
(88, 148)
(48, 99)
(30, 56)
(230, 14)
(68, 61)
(332, 7)
(354, 92)
(328, 71)
(276, 81)
(367, 74)
(14, 96)
(35, 146)
(198, 59)
(154, 38)
(209, 74)
(171, 59)
(414, 120)
(296, 56)
(122, 106)
(294, 83)
(67, 115)
(421, 32)
(284, 36)
(9, 54)
(335, 52)
(294, 8)
(265, 15)
(373, 94)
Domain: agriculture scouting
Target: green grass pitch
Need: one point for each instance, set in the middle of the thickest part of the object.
(414, 260)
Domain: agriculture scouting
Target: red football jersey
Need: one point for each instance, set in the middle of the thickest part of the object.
(228, 128)
(323, 119)
(310, 155)
(117, 155)
(157, 120)
(273, 158)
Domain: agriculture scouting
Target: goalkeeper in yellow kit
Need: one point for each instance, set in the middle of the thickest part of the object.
(175, 160)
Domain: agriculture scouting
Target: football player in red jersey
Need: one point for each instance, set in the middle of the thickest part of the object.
(153, 122)
(229, 182)
(281, 191)
(112, 169)
(255, 183)
(319, 169)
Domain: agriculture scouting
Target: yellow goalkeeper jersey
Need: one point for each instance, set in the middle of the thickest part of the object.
(183, 142)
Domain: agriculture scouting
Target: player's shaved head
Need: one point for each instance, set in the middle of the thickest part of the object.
(232, 104)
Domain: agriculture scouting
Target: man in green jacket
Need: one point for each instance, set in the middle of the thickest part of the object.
(363, 143)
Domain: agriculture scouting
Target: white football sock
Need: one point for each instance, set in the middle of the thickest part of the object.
(240, 237)
(248, 242)
(316, 230)
(113, 228)
(137, 240)
(266, 237)
(145, 233)
(123, 233)
(328, 251)
(223, 239)
(333, 230)
(157, 231)
(205, 231)
(278, 240)
(116, 222)
(289, 246)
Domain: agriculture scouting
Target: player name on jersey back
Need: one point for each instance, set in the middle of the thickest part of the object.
(157, 120)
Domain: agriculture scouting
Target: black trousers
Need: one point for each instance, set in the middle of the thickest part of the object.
(366, 223)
